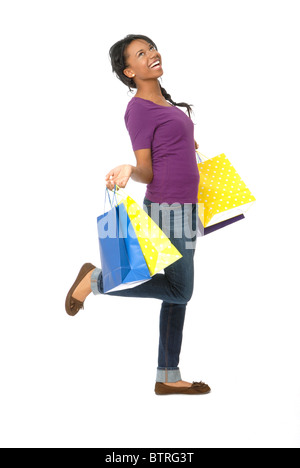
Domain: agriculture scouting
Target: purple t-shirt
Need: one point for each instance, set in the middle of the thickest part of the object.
(169, 133)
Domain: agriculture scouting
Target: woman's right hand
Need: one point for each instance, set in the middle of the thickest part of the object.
(120, 176)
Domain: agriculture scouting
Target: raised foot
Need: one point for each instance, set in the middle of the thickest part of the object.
(80, 290)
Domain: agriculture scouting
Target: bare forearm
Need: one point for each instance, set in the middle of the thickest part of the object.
(142, 174)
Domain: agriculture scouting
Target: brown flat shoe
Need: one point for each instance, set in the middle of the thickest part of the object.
(197, 388)
(73, 306)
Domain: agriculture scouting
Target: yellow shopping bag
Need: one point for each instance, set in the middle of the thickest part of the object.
(157, 248)
(222, 193)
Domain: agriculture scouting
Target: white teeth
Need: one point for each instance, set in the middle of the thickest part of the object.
(154, 64)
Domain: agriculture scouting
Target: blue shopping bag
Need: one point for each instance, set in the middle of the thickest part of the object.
(122, 260)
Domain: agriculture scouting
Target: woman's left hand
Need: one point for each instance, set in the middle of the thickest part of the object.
(196, 145)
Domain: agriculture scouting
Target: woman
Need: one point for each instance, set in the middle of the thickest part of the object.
(162, 138)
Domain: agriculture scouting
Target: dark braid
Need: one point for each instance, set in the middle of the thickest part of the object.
(177, 104)
(118, 62)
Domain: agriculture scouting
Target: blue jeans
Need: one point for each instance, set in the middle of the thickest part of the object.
(175, 287)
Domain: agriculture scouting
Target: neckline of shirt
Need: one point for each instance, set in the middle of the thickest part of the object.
(159, 105)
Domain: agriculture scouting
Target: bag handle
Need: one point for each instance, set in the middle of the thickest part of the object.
(120, 192)
(112, 201)
(201, 156)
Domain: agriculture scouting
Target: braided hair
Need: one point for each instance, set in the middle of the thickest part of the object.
(119, 63)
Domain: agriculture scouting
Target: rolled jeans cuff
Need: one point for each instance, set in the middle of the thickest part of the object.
(170, 375)
(94, 281)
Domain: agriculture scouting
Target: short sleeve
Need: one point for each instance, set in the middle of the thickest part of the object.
(140, 126)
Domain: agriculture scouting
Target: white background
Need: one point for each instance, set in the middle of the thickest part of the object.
(89, 381)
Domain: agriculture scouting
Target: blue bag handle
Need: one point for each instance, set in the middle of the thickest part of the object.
(113, 202)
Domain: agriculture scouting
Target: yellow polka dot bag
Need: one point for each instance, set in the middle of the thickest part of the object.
(223, 196)
(157, 248)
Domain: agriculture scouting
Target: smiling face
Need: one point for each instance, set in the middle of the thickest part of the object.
(142, 61)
